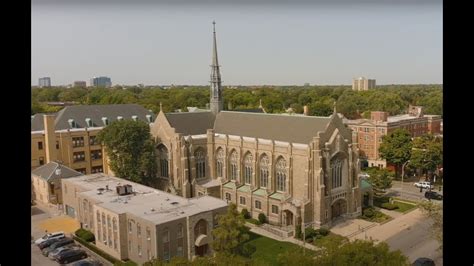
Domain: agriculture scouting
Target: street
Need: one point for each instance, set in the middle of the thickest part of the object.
(409, 191)
(410, 233)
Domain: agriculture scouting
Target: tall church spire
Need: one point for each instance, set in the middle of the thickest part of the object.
(216, 101)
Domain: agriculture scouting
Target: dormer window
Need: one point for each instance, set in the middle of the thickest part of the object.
(134, 117)
(89, 122)
(105, 120)
(149, 118)
(119, 118)
(72, 123)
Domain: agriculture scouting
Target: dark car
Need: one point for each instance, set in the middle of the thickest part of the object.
(423, 262)
(47, 243)
(71, 255)
(433, 195)
(61, 243)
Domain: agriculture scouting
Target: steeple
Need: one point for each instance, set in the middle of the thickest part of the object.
(216, 101)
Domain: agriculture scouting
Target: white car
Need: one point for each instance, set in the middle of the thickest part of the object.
(56, 235)
(423, 184)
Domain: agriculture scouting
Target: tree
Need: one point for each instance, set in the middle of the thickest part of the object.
(396, 148)
(380, 179)
(427, 153)
(130, 149)
(231, 231)
(434, 211)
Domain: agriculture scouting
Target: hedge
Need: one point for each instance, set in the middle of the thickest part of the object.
(389, 206)
(253, 221)
(96, 250)
(85, 235)
(369, 213)
(262, 218)
(245, 213)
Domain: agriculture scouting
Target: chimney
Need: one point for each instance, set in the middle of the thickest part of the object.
(379, 116)
(50, 138)
(305, 110)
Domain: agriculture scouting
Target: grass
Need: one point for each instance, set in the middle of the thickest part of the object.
(253, 221)
(327, 240)
(268, 249)
(402, 206)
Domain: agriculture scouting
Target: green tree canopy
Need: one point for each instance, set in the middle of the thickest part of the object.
(130, 149)
(231, 231)
(380, 179)
(396, 148)
(427, 153)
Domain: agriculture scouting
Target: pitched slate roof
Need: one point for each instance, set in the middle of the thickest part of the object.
(95, 112)
(192, 123)
(48, 171)
(295, 129)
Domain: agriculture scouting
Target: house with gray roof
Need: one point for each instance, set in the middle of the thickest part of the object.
(46, 182)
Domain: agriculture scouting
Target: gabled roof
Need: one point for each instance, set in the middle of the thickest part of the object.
(95, 112)
(192, 123)
(48, 171)
(295, 129)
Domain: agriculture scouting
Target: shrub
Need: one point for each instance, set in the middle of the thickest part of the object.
(322, 231)
(389, 206)
(309, 233)
(298, 233)
(245, 213)
(254, 221)
(248, 249)
(262, 218)
(369, 213)
(85, 235)
(95, 249)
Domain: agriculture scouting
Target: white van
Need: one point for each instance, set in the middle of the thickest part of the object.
(55, 235)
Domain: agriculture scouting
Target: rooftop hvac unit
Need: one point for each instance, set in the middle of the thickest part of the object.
(121, 190)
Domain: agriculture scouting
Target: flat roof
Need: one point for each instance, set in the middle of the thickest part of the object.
(147, 203)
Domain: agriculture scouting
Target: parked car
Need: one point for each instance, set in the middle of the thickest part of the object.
(423, 185)
(48, 243)
(71, 255)
(55, 253)
(87, 262)
(60, 243)
(423, 262)
(433, 195)
(57, 235)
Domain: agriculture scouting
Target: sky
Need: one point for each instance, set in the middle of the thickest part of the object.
(170, 42)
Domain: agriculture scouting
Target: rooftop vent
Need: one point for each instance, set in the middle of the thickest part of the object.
(124, 190)
(174, 203)
(100, 190)
(152, 209)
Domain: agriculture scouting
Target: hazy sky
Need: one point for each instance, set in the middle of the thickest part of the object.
(257, 43)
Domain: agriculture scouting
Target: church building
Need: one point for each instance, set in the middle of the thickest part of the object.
(291, 168)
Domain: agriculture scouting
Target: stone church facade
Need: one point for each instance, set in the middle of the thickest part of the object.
(291, 168)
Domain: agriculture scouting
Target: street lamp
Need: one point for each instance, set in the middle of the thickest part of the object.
(403, 174)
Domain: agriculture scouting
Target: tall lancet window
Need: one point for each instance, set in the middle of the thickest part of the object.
(163, 161)
(281, 175)
(220, 162)
(336, 172)
(264, 165)
(234, 163)
(248, 164)
(200, 158)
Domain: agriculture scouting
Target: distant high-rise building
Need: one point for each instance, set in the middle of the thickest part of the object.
(363, 84)
(101, 82)
(44, 82)
(79, 84)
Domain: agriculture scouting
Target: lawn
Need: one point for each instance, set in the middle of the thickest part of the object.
(331, 238)
(402, 206)
(268, 249)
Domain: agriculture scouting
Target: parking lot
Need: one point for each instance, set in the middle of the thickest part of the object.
(50, 219)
